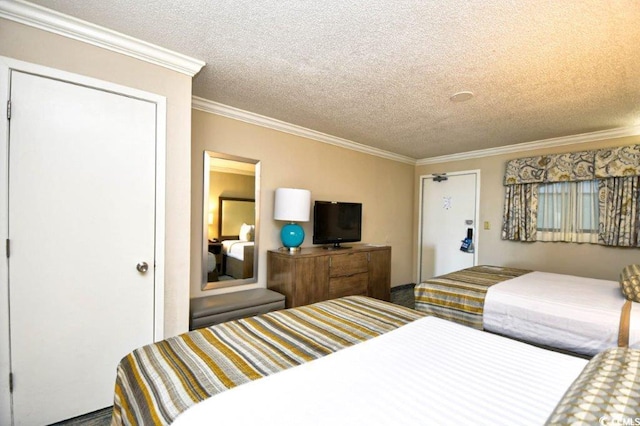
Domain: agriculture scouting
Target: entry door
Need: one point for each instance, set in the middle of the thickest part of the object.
(448, 210)
(81, 217)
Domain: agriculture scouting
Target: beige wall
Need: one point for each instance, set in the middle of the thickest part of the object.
(40, 47)
(385, 188)
(589, 260)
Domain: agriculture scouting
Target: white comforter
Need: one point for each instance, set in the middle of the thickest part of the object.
(578, 314)
(235, 248)
(430, 371)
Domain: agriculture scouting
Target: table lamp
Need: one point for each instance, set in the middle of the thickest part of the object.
(292, 205)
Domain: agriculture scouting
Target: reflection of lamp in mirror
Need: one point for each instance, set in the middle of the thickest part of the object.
(211, 221)
(292, 205)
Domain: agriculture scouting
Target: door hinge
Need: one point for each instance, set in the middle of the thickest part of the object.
(8, 110)
(8, 248)
(10, 382)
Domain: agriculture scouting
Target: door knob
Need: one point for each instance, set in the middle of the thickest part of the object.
(142, 267)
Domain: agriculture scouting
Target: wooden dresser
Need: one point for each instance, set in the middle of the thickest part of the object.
(315, 274)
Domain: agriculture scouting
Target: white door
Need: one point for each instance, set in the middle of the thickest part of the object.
(81, 217)
(449, 208)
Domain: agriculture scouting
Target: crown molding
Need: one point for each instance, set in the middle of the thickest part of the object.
(77, 29)
(260, 120)
(529, 146)
(282, 126)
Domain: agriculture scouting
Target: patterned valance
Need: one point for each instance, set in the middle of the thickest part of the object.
(575, 166)
(618, 162)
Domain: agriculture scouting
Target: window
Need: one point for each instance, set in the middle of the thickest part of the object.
(568, 211)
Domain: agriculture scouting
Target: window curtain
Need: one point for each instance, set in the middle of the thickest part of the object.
(619, 202)
(567, 211)
(520, 210)
(617, 171)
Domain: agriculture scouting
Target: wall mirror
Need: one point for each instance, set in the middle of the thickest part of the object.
(231, 211)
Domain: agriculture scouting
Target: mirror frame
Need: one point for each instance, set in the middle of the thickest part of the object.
(207, 156)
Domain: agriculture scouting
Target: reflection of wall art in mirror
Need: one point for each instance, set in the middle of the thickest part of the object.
(230, 220)
(233, 213)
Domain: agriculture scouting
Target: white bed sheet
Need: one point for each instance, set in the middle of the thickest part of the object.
(430, 371)
(235, 248)
(578, 314)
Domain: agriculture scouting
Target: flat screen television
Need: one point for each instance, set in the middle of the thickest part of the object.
(336, 222)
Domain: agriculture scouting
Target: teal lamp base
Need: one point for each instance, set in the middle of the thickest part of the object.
(292, 236)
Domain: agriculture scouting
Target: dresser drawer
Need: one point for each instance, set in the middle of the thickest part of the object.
(348, 264)
(356, 284)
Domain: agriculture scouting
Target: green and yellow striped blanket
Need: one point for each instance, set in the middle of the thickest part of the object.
(157, 382)
(459, 296)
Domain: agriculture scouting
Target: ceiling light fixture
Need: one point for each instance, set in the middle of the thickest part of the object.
(461, 96)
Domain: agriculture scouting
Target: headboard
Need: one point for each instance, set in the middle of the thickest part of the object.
(233, 212)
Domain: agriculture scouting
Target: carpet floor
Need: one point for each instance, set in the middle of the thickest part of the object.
(97, 418)
(403, 295)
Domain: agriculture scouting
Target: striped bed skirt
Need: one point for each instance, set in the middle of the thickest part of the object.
(157, 382)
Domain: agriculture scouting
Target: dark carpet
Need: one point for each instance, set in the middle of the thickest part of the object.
(403, 295)
(97, 418)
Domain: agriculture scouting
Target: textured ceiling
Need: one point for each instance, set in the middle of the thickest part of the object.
(381, 72)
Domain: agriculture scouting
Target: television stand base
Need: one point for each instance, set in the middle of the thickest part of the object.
(336, 247)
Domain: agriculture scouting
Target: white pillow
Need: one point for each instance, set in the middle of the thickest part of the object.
(630, 282)
(246, 232)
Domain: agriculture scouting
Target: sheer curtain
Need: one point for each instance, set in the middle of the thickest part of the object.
(568, 211)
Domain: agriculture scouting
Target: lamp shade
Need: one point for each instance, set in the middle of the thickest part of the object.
(292, 205)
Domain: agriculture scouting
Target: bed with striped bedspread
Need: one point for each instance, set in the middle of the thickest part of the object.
(459, 296)
(157, 382)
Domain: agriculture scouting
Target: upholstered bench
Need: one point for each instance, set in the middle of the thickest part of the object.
(210, 310)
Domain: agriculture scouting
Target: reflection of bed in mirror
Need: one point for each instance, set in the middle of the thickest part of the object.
(238, 258)
(237, 232)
